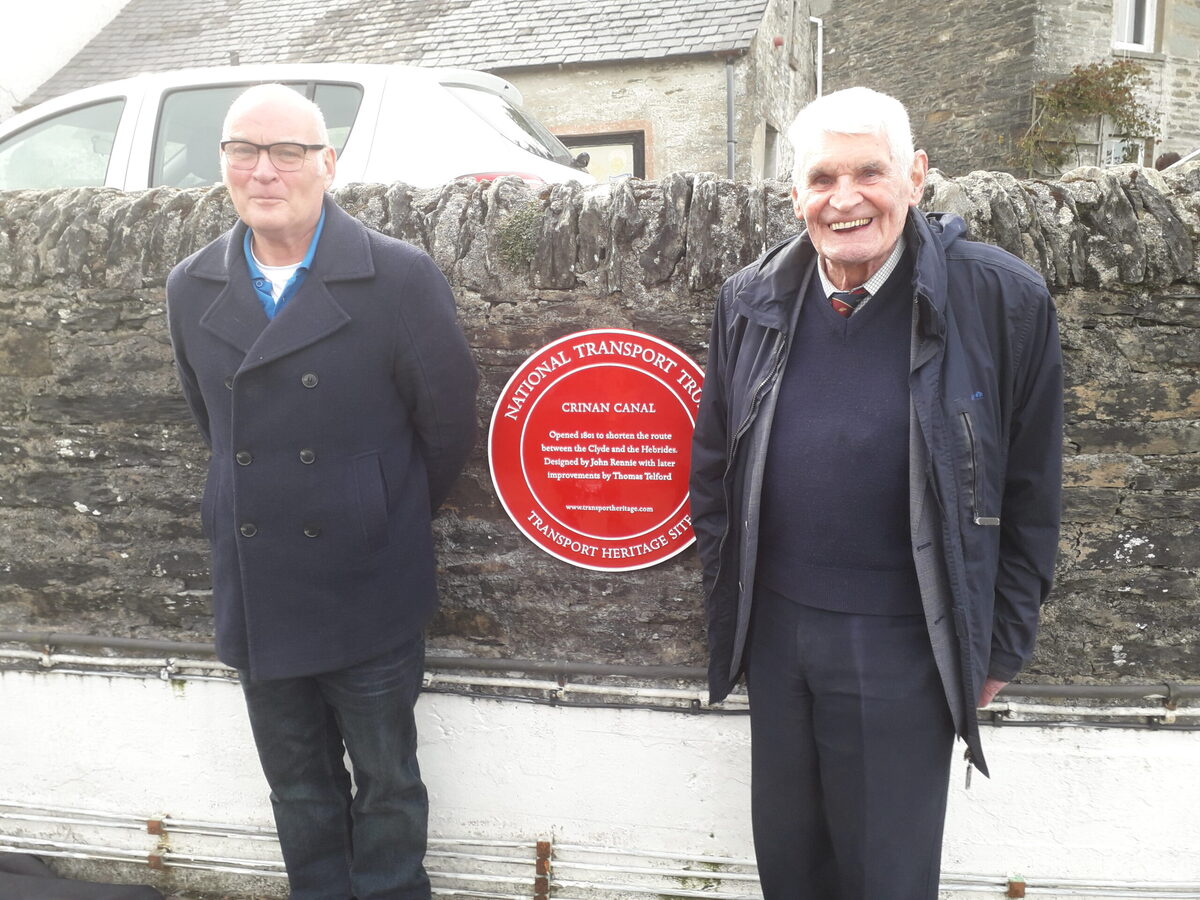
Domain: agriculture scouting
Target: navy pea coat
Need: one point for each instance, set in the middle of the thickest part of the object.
(336, 429)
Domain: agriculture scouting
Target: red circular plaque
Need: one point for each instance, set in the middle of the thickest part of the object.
(590, 446)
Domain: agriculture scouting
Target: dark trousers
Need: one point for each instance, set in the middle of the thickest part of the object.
(369, 844)
(851, 741)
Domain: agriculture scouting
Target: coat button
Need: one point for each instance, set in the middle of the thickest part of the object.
(307, 456)
(312, 531)
(244, 457)
(248, 529)
(309, 379)
(229, 382)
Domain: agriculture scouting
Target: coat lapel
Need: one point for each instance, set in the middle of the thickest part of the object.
(311, 315)
(237, 316)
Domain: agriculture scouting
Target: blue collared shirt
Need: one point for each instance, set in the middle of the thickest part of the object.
(262, 284)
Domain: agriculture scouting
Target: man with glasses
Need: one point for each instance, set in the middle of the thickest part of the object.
(326, 371)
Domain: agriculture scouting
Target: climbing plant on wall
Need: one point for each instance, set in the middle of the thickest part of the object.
(1062, 108)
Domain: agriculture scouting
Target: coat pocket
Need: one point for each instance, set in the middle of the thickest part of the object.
(208, 503)
(976, 460)
(372, 500)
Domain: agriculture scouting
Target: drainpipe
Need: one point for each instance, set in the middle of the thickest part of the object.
(729, 139)
(820, 60)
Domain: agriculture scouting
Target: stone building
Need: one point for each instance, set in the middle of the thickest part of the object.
(645, 88)
(968, 72)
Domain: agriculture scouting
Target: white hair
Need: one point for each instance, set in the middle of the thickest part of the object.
(275, 94)
(856, 110)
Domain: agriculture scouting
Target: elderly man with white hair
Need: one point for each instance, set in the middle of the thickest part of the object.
(327, 373)
(875, 487)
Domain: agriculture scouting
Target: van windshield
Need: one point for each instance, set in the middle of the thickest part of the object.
(512, 122)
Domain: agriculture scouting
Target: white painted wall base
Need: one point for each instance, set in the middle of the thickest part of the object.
(1096, 805)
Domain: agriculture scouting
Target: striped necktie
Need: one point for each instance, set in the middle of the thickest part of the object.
(844, 302)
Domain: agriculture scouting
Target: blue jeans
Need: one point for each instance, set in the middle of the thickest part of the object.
(369, 845)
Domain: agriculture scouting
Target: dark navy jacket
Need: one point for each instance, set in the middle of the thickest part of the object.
(985, 451)
(336, 430)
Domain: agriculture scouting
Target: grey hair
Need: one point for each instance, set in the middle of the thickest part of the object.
(856, 110)
(278, 93)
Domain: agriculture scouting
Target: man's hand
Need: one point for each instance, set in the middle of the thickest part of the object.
(991, 688)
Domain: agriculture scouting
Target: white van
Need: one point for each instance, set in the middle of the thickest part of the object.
(387, 123)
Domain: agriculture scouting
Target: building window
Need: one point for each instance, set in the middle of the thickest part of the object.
(794, 40)
(1117, 150)
(613, 156)
(1134, 24)
(770, 153)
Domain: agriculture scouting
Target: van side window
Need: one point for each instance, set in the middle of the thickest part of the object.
(339, 104)
(189, 128)
(186, 152)
(71, 149)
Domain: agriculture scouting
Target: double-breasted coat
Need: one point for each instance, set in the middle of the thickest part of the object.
(336, 429)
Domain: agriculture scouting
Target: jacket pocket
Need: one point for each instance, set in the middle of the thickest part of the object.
(208, 503)
(976, 462)
(372, 500)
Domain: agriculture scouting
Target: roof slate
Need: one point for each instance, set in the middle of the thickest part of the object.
(153, 35)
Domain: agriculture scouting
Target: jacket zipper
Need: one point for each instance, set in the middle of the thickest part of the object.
(736, 438)
(977, 518)
(758, 394)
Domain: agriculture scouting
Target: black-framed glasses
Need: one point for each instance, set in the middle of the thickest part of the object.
(284, 155)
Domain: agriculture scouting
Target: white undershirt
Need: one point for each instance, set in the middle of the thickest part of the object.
(279, 276)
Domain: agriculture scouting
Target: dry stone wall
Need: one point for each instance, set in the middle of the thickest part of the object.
(101, 468)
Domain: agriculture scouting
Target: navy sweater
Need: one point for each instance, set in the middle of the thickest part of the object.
(834, 529)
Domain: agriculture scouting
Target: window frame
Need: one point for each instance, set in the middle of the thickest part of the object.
(795, 17)
(1125, 24)
(772, 155)
(612, 138)
(1111, 141)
